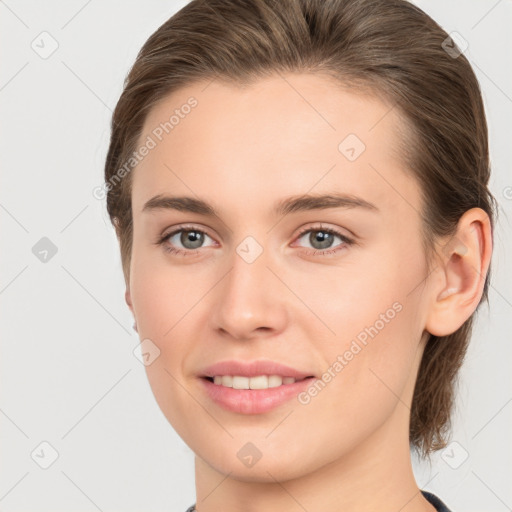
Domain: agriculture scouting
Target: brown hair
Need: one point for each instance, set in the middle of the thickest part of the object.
(389, 47)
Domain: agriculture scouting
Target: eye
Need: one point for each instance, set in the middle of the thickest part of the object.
(190, 239)
(322, 239)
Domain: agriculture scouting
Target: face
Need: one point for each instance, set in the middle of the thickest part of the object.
(250, 272)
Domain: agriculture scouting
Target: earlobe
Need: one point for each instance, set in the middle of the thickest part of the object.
(464, 263)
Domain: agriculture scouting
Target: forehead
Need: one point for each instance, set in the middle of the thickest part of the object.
(282, 135)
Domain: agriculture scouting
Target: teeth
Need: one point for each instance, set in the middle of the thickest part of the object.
(257, 382)
(240, 382)
(274, 381)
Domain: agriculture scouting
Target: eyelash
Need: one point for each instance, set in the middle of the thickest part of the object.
(190, 252)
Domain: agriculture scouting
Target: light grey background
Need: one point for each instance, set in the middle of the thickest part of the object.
(68, 373)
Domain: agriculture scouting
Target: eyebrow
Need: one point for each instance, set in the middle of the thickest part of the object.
(305, 202)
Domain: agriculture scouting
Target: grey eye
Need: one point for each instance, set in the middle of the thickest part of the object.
(320, 239)
(188, 238)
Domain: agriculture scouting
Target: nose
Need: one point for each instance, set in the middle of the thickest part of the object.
(250, 301)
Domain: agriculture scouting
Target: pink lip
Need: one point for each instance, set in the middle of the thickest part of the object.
(252, 369)
(253, 401)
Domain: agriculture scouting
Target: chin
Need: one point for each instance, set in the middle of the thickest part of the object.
(269, 463)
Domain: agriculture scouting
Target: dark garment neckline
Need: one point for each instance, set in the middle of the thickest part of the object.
(434, 500)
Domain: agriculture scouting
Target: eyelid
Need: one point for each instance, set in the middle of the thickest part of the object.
(184, 227)
(322, 227)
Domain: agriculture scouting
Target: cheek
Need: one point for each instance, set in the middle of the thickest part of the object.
(161, 294)
(365, 383)
(347, 298)
(375, 327)
(163, 305)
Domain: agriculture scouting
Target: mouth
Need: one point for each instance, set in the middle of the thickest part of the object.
(253, 395)
(252, 387)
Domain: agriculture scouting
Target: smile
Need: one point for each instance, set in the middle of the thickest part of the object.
(253, 400)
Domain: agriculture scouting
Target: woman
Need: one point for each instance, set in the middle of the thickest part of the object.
(299, 190)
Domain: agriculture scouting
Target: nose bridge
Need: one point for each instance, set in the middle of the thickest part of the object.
(248, 298)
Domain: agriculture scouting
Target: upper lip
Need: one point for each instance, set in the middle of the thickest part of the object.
(252, 369)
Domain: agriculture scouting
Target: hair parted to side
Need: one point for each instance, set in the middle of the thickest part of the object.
(390, 48)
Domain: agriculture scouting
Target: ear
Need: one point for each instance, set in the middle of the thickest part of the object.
(464, 263)
(128, 298)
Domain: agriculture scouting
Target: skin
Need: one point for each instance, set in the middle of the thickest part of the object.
(242, 150)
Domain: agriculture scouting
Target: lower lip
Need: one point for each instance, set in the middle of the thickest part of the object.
(253, 401)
